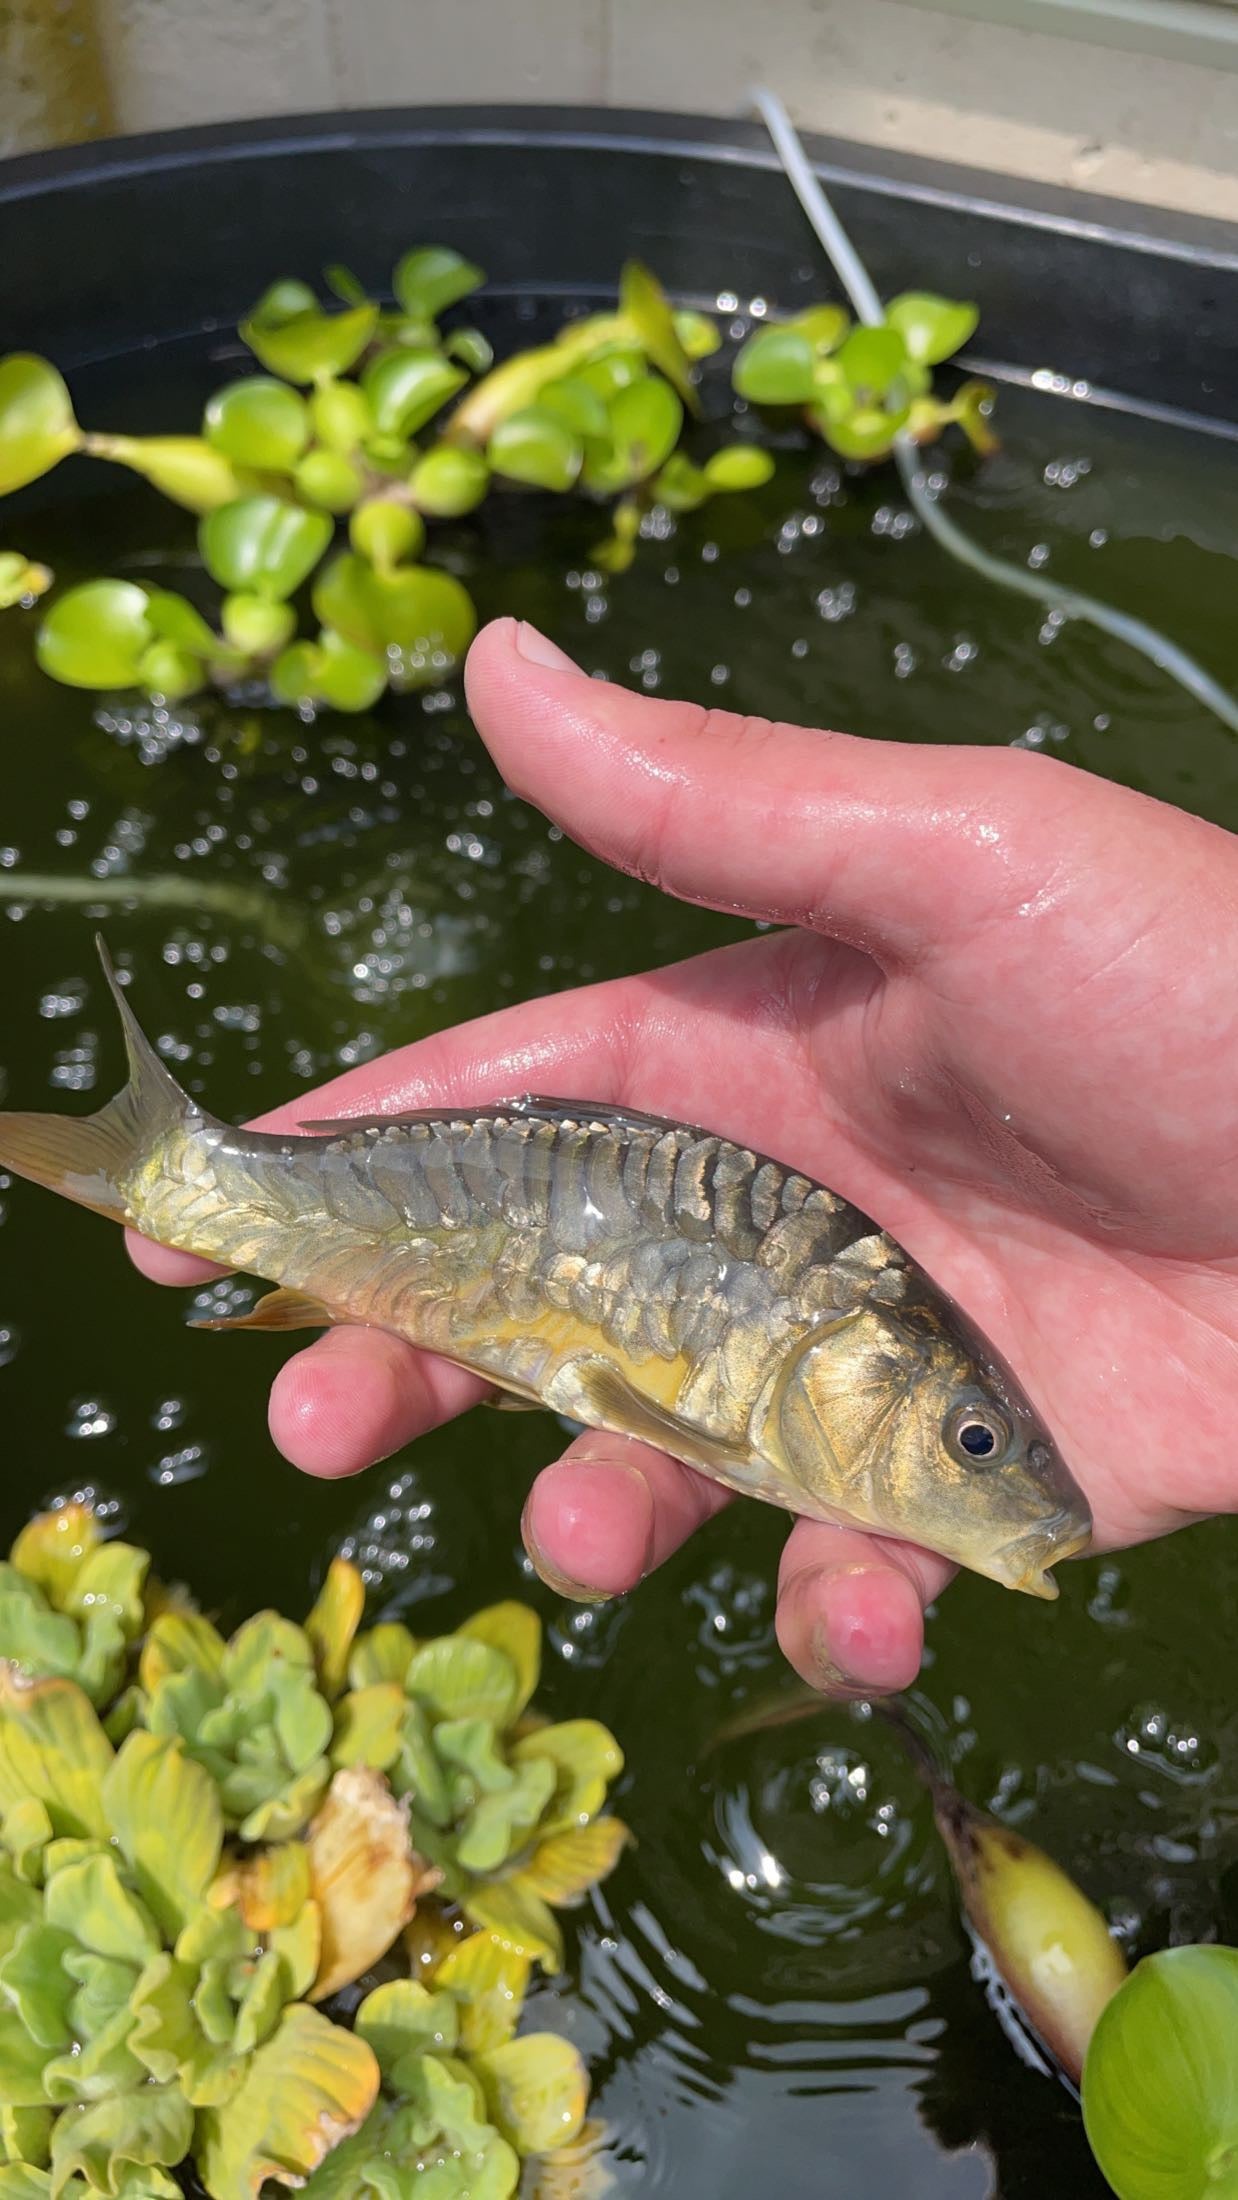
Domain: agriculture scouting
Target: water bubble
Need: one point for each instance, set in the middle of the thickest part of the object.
(742, 598)
(10, 1341)
(1038, 555)
(179, 1466)
(66, 999)
(1098, 538)
(89, 1417)
(905, 660)
(964, 653)
(838, 603)
(75, 1069)
(719, 675)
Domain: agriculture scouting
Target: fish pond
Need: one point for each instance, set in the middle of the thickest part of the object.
(774, 1989)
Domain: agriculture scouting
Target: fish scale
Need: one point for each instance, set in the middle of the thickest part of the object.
(645, 1277)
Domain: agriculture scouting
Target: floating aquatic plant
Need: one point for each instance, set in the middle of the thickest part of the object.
(375, 419)
(204, 1842)
(1160, 2084)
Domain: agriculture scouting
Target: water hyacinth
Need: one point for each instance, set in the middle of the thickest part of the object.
(204, 1842)
(378, 417)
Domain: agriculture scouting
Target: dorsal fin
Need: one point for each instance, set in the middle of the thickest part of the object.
(528, 1107)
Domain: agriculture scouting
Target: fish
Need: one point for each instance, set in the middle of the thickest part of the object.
(626, 1272)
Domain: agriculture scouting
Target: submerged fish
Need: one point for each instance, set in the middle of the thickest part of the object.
(632, 1274)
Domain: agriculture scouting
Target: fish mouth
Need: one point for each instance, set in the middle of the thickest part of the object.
(1024, 1564)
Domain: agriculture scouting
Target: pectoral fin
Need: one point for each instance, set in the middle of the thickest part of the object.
(280, 1309)
(597, 1393)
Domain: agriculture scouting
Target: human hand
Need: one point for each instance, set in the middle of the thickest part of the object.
(1003, 1023)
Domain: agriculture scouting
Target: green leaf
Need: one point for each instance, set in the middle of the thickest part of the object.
(53, 1547)
(328, 479)
(775, 367)
(698, 335)
(404, 389)
(680, 486)
(471, 348)
(308, 345)
(1160, 2083)
(37, 427)
(432, 278)
(183, 468)
(459, 1677)
(866, 432)
(117, 1580)
(306, 2088)
(263, 546)
(382, 1654)
(95, 635)
(169, 673)
(825, 327)
(420, 620)
(258, 422)
(52, 1748)
(613, 368)
(971, 406)
(536, 448)
(516, 1631)
(536, 2090)
(580, 407)
(587, 1758)
(497, 1824)
(644, 304)
(90, 1902)
(932, 328)
(256, 626)
(22, 2063)
(369, 1725)
(386, 532)
(447, 482)
(164, 1812)
(872, 360)
(402, 2019)
(151, 2127)
(26, 2135)
(739, 466)
(180, 1642)
(345, 285)
(340, 415)
(645, 421)
(19, 2181)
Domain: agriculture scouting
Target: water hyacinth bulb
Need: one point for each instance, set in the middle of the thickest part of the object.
(1160, 2084)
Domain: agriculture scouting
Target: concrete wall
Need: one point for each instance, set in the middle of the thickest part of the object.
(897, 73)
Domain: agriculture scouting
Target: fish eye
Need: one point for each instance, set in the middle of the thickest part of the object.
(977, 1435)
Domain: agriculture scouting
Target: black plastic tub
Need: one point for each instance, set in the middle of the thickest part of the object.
(1125, 300)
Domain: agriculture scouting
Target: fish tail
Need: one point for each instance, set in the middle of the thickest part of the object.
(92, 1159)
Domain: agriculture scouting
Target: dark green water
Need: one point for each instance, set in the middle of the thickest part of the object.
(773, 1990)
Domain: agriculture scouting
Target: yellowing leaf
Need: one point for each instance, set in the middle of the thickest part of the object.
(516, 1630)
(402, 2019)
(490, 1980)
(307, 2088)
(365, 1876)
(578, 2171)
(53, 1748)
(164, 1810)
(333, 1623)
(299, 1946)
(384, 1654)
(536, 2089)
(180, 1642)
(430, 1938)
(564, 1867)
(519, 1919)
(269, 1888)
(52, 1547)
(369, 1726)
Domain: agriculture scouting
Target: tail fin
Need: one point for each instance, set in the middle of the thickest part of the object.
(92, 1158)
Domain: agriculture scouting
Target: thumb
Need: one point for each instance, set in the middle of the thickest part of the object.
(889, 846)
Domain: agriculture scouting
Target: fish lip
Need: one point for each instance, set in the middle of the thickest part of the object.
(1024, 1563)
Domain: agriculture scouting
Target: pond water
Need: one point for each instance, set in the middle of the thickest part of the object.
(775, 1984)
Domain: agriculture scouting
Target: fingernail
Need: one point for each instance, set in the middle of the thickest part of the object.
(827, 1674)
(535, 648)
(574, 1591)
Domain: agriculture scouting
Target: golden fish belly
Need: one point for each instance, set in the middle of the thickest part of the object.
(642, 1279)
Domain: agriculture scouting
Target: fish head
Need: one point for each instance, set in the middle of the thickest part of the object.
(903, 1419)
